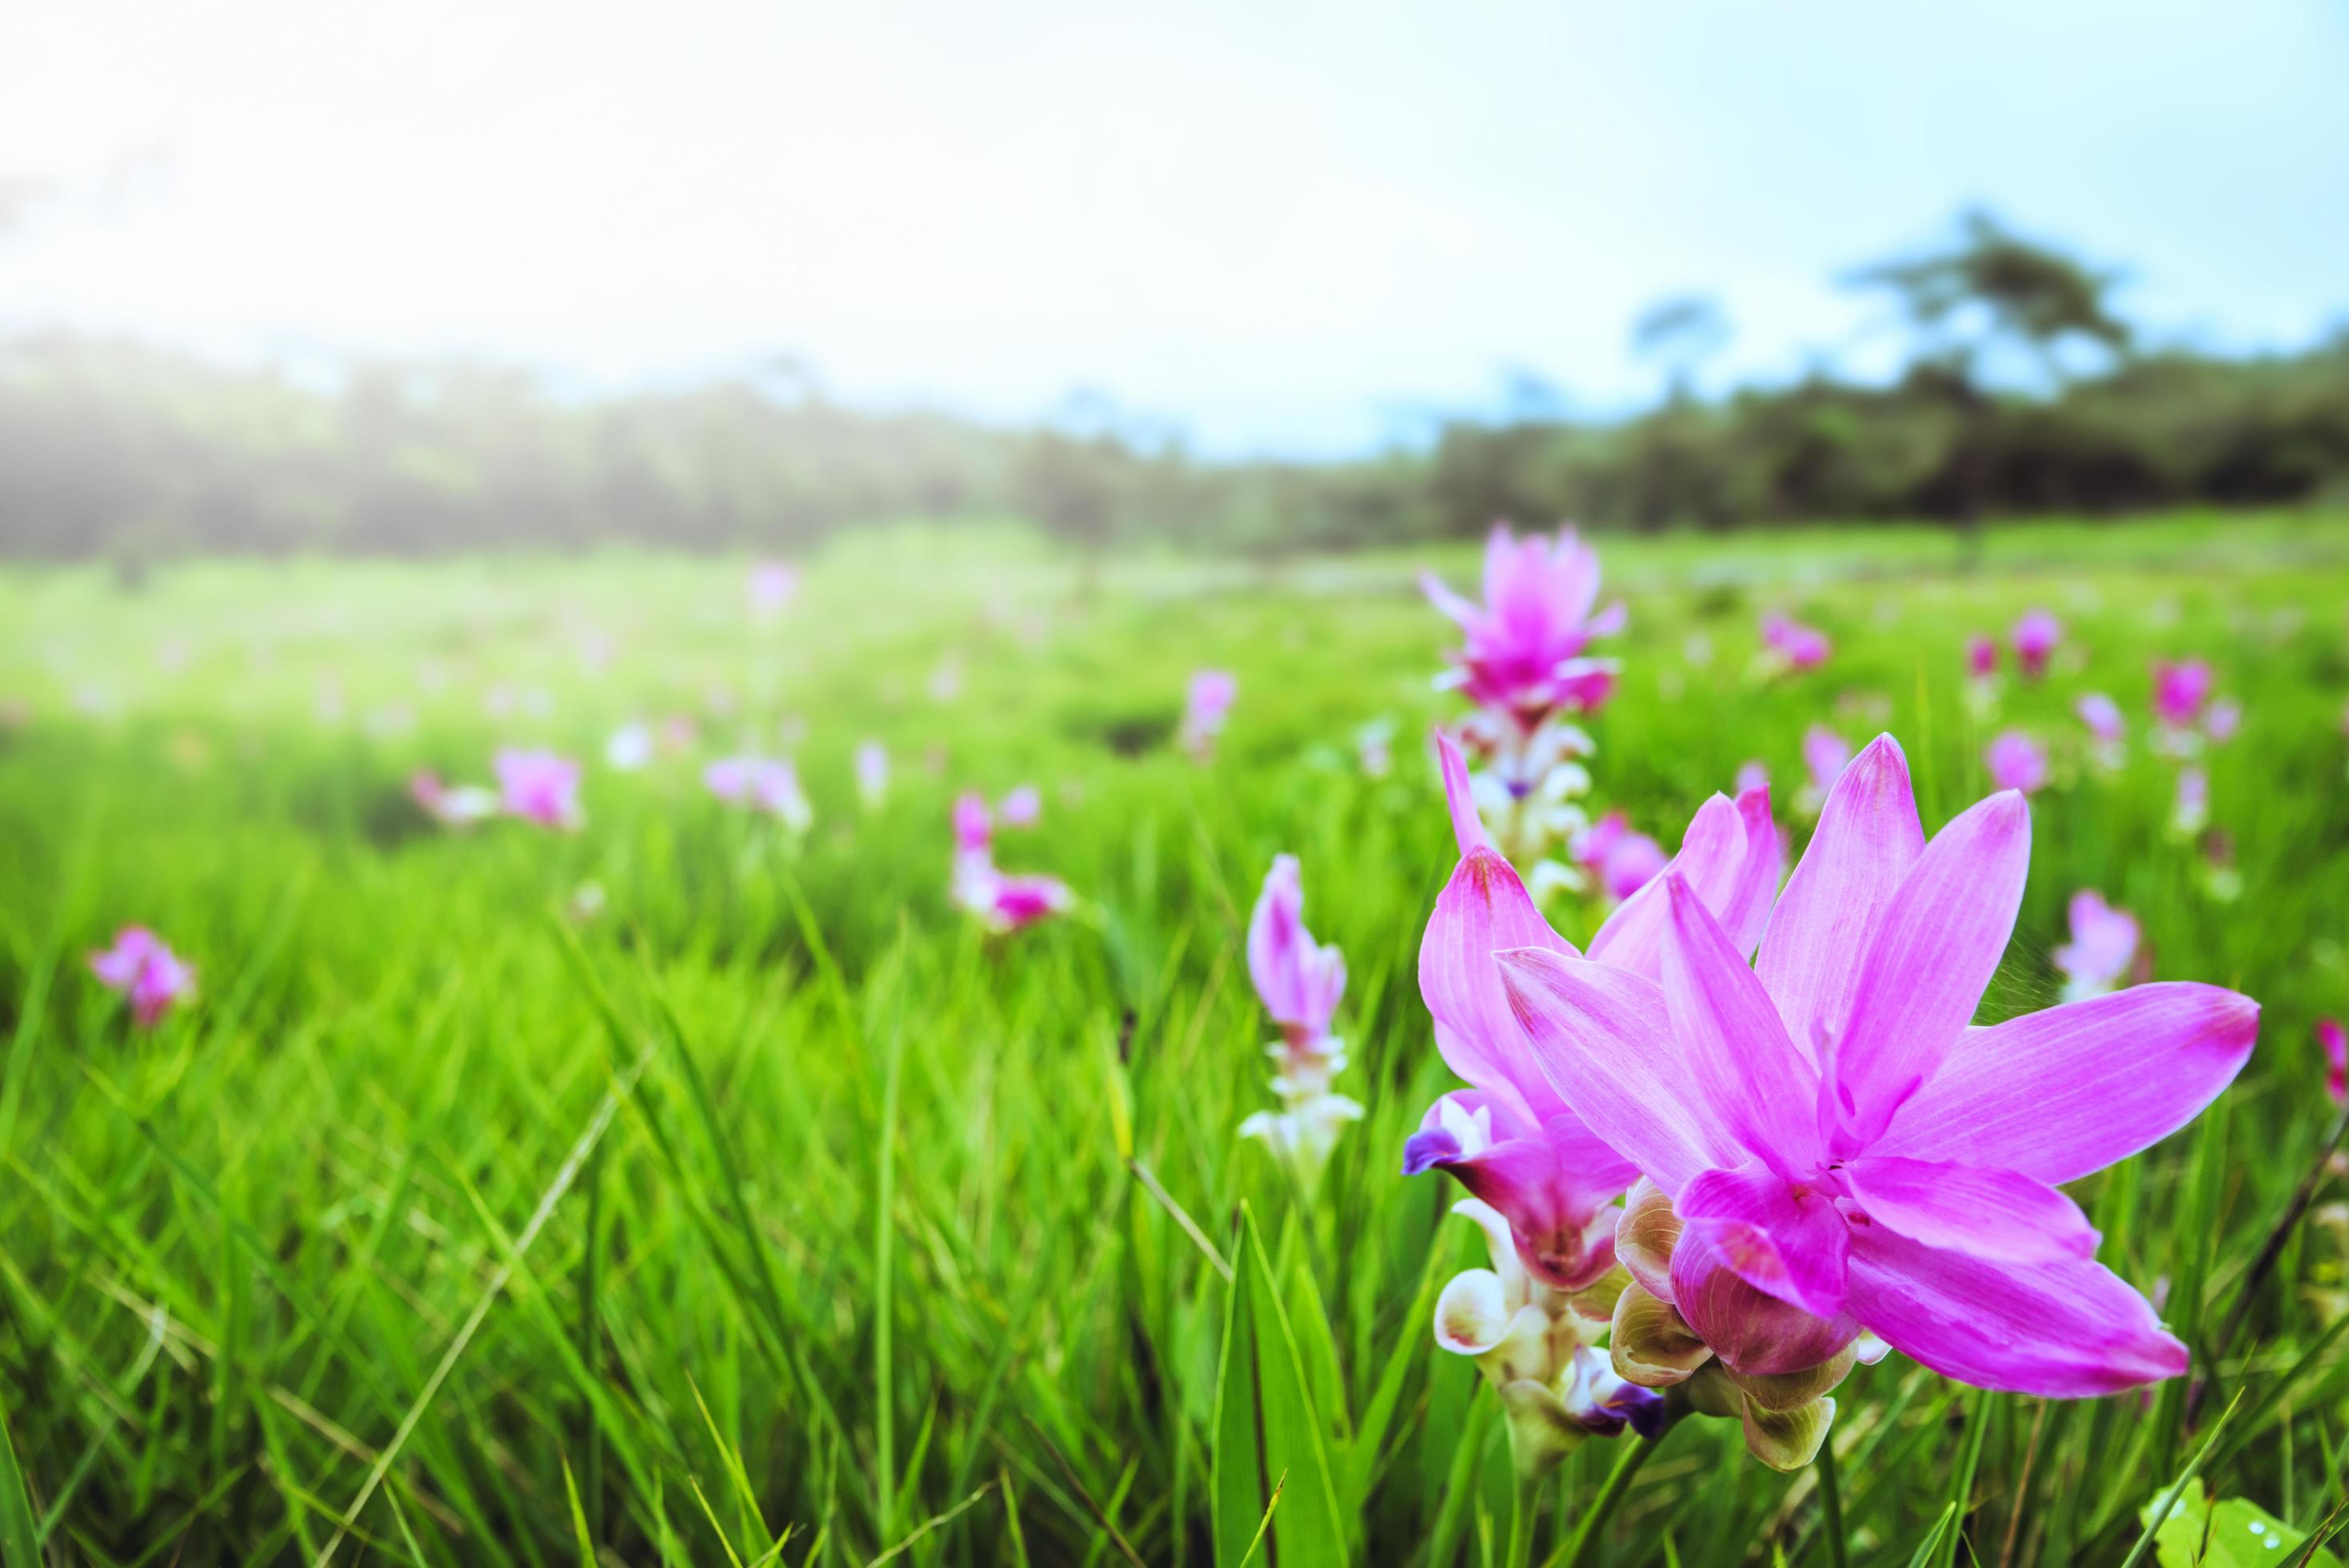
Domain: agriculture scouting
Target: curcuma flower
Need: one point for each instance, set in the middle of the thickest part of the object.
(142, 967)
(1299, 982)
(2035, 637)
(1002, 901)
(2103, 946)
(1834, 1148)
(1207, 704)
(761, 784)
(1524, 649)
(1792, 646)
(1510, 1138)
(539, 786)
(2335, 1041)
(2016, 762)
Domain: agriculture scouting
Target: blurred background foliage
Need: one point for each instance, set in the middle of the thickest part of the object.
(2024, 392)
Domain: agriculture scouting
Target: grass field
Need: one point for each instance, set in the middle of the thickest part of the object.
(774, 1213)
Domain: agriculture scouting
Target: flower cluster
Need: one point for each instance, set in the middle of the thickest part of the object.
(1524, 665)
(537, 786)
(763, 784)
(143, 968)
(1300, 983)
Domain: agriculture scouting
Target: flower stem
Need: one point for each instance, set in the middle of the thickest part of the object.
(1831, 1504)
(1521, 1523)
(1602, 1507)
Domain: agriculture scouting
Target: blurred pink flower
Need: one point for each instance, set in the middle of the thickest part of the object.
(1207, 704)
(539, 786)
(1837, 1140)
(762, 784)
(2189, 812)
(772, 586)
(1796, 645)
(1298, 981)
(1619, 861)
(2017, 762)
(2180, 690)
(2335, 1041)
(2223, 718)
(1022, 808)
(1752, 774)
(2103, 946)
(2035, 637)
(2102, 714)
(1523, 653)
(1825, 755)
(974, 826)
(1982, 657)
(141, 967)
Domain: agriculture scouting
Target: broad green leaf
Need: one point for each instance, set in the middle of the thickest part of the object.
(2233, 1533)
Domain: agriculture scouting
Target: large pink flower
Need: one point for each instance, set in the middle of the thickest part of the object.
(143, 967)
(1510, 1138)
(1299, 980)
(1838, 1140)
(1524, 650)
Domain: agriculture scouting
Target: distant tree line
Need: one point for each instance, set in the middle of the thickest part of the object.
(2024, 395)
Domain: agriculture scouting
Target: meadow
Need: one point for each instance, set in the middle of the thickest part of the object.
(686, 1189)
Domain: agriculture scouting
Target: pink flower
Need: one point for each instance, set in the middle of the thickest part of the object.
(1022, 807)
(2102, 714)
(1752, 774)
(1620, 860)
(2103, 946)
(1841, 1146)
(1002, 900)
(761, 784)
(1523, 653)
(2035, 637)
(1207, 704)
(772, 586)
(141, 967)
(2223, 718)
(1796, 645)
(2329, 1034)
(1300, 983)
(1510, 1136)
(539, 786)
(1826, 754)
(1982, 657)
(2180, 690)
(2017, 762)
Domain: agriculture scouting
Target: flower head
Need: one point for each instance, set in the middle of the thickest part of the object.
(539, 786)
(1833, 1136)
(1523, 652)
(2035, 637)
(1982, 657)
(2103, 946)
(2017, 762)
(1022, 808)
(1794, 645)
(2102, 714)
(1207, 704)
(452, 806)
(974, 825)
(2335, 1041)
(1620, 860)
(1299, 982)
(2180, 690)
(143, 968)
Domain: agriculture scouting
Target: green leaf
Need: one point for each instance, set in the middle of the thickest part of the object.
(2231, 1533)
(20, 1541)
(1266, 1429)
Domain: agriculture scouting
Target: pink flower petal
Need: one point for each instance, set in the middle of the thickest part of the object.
(1730, 855)
(2066, 1329)
(2058, 1094)
(1603, 1042)
(1868, 839)
(1483, 909)
(1932, 955)
(1761, 1087)
(2001, 1216)
(1787, 1242)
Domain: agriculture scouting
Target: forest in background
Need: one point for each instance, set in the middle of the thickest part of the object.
(2024, 393)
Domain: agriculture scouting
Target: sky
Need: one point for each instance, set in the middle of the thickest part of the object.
(1296, 230)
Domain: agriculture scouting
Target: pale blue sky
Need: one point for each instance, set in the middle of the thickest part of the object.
(1283, 229)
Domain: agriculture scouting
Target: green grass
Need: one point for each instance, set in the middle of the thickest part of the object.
(774, 1213)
